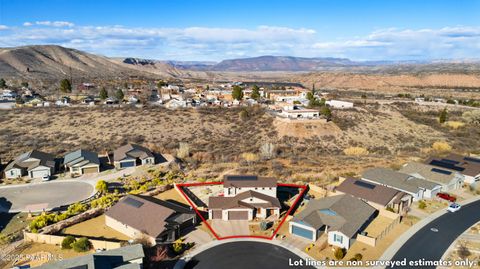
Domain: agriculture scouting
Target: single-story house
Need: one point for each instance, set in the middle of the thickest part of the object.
(157, 220)
(378, 196)
(418, 188)
(341, 217)
(131, 155)
(448, 179)
(339, 104)
(246, 197)
(296, 112)
(468, 166)
(81, 162)
(130, 257)
(34, 164)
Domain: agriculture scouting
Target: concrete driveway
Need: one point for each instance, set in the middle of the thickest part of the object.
(231, 227)
(46, 195)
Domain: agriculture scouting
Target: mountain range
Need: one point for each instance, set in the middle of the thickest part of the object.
(45, 62)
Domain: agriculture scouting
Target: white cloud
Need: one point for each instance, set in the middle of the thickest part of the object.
(55, 23)
(3, 27)
(26, 24)
(204, 43)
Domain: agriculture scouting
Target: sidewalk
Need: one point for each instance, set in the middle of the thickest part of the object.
(395, 247)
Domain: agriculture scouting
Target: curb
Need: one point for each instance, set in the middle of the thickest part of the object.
(395, 247)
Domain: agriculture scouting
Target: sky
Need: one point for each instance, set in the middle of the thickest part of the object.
(207, 30)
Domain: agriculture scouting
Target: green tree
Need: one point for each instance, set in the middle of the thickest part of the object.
(24, 84)
(119, 95)
(310, 96)
(67, 242)
(207, 88)
(82, 245)
(103, 93)
(255, 93)
(443, 116)
(101, 186)
(325, 111)
(65, 86)
(237, 93)
(3, 83)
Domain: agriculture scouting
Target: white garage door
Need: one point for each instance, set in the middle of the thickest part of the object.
(39, 174)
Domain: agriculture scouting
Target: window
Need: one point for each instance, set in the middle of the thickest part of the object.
(338, 238)
(251, 199)
(256, 188)
(11, 173)
(263, 188)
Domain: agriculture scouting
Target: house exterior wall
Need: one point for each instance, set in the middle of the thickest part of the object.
(127, 230)
(149, 160)
(339, 104)
(471, 179)
(117, 164)
(335, 236)
(40, 171)
(14, 173)
(232, 191)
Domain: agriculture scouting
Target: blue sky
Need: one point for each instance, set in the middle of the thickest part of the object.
(215, 30)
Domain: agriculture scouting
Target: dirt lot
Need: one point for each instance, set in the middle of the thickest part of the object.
(95, 228)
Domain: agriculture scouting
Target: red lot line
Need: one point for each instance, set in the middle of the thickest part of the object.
(180, 186)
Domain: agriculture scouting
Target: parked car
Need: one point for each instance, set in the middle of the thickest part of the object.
(454, 207)
(46, 178)
(446, 196)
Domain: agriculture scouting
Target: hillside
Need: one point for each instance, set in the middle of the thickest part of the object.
(55, 62)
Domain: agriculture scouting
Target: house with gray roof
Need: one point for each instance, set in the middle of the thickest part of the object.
(340, 217)
(417, 187)
(81, 162)
(34, 164)
(128, 257)
(131, 155)
(246, 197)
(378, 196)
(157, 220)
(449, 179)
(468, 166)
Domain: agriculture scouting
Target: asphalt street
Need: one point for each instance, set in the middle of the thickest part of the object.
(428, 245)
(244, 255)
(46, 195)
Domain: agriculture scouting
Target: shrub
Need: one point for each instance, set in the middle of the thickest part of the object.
(101, 186)
(177, 246)
(263, 225)
(358, 257)
(67, 242)
(183, 151)
(454, 124)
(441, 146)
(355, 151)
(472, 116)
(422, 204)
(82, 245)
(76, 208)
(339, 253)
(250, 157)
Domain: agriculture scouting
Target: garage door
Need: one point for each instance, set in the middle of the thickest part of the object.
(216, 214)
(238, 215)
(39, 174)
(127, 164)
(302, 232)
(90, 170)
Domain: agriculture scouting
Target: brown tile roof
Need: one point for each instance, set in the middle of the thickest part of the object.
(236, 201)
(131, 151)
(42, 158)
(146, 214)
(242, 181)
(367, 191)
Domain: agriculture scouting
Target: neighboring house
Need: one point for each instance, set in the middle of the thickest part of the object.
(341, 217)
(469, 167)
(34, 164)
(157, 220)
(339, 104)
(81, 162)
(132, 155)
(378, 196)
(297, 112)
(418, 188)
(448, 179)
(130, 257)
(246, 198)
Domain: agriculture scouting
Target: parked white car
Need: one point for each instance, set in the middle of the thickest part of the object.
(454, 207)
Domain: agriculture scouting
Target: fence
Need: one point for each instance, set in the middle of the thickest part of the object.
(57, 240)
